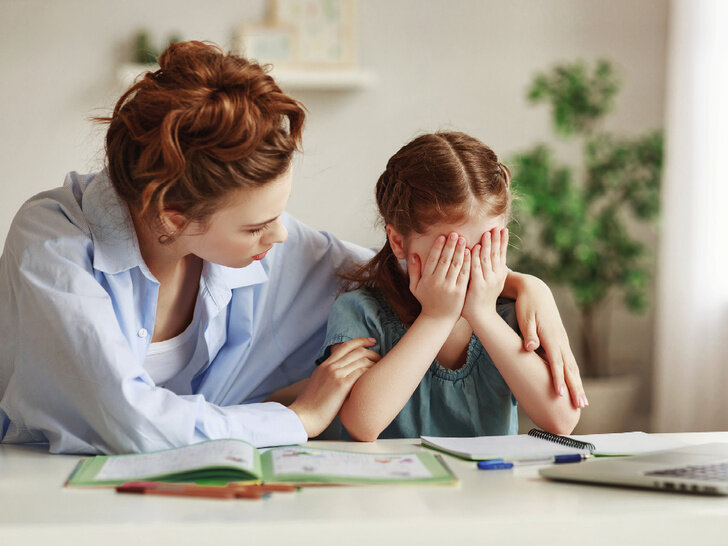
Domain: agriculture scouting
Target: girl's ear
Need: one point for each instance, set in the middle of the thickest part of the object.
(396, 241)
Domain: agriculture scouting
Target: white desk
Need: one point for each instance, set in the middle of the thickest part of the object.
(493, 507)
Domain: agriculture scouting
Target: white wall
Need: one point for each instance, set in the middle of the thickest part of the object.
(440, 64)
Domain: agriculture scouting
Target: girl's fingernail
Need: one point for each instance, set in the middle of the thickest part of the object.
(531, 346)
(412, 259)
(562, 390)
(461, 241)
(467, 252)
(586, 402)
(372, 340)
(453, 236)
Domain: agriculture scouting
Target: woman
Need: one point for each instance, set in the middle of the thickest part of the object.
(155, 304)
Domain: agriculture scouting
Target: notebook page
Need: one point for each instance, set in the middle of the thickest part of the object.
(511, 448)
(228, 453)
(628, 443)
(304, 460)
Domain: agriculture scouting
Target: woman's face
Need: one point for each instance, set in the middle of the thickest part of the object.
(245, 229)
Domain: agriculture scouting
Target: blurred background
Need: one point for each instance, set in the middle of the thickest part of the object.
(404, 67)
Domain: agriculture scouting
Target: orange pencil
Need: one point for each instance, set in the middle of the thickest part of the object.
(191, 490)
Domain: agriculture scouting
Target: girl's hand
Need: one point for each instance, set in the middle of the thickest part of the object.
(540, 323)
(488, 273)
(331, 382)
(440, 285)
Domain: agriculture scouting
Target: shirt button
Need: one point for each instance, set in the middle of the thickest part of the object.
(142, 333)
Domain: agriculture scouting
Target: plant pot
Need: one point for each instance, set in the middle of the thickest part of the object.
(612, 406)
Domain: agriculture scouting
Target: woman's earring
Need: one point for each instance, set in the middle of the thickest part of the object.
(166, 238)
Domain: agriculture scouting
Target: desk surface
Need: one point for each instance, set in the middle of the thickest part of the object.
(498, 507)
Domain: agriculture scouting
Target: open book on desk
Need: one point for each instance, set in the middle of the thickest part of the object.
(220, 462)
(538, 444)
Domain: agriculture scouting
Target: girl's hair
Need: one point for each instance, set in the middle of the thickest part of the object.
(444, 176)
(202, 125)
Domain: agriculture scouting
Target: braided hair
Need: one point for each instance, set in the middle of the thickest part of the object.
(443, 176)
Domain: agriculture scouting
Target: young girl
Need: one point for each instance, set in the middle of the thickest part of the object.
(452, 363)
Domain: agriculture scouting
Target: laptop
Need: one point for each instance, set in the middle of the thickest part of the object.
(694, 469)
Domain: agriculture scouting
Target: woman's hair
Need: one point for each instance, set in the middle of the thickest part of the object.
(445, 176)
(202, 125)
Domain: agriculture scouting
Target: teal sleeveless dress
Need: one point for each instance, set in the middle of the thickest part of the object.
(473, 400)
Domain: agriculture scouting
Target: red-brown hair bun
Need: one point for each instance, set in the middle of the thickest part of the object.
(202, 125)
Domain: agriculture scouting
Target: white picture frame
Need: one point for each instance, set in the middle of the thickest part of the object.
(267, 43)
(324, 30)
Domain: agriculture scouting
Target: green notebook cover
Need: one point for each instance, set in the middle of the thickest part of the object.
(225, 461)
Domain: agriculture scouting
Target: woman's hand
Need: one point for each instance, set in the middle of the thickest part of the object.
(331, 382)
(488, 273)
(441, 283)
(540, 324)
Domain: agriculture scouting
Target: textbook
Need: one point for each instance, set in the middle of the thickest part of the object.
(220, 462)
(538, 444)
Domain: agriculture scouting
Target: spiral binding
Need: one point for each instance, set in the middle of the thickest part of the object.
(562, 440)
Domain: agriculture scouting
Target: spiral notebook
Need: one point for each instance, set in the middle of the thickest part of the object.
(540, 444)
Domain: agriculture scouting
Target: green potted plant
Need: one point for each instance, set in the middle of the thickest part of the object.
(575, 224)
(144, 50)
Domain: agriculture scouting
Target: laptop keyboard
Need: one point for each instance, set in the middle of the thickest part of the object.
(709, 472)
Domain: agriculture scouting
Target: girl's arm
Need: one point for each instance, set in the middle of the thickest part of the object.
(526, 373)
(324, 392)
(541, 325)
(440, 286)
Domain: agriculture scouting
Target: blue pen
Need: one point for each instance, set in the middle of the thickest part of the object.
(556, 459)
(576, 458)
(500, 464)
(494, 464)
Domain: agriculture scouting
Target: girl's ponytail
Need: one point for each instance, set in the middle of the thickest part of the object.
(384, 274)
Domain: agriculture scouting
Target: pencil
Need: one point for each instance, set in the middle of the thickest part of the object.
(182, 490)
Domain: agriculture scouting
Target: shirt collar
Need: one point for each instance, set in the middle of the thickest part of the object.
(221, 280)
(116, 247)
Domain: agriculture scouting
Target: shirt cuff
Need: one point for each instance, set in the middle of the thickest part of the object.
(266, 424)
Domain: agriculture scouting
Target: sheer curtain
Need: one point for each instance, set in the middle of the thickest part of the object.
(691, 362)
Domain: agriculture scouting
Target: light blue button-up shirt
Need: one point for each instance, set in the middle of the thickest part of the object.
(77, 309)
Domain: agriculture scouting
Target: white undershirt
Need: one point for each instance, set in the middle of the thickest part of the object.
(167, 358)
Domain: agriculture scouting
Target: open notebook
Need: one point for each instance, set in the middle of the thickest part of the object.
(538, 444)
(223, 461)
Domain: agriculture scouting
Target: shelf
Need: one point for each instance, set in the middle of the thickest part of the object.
(348, 79)
(324, 80)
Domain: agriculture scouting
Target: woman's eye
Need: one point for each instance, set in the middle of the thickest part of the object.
(259, 230)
